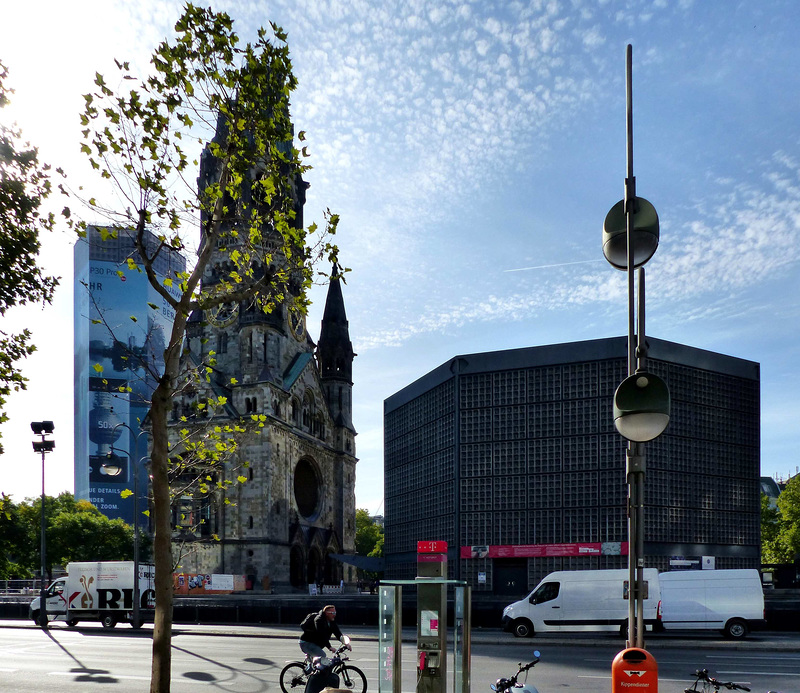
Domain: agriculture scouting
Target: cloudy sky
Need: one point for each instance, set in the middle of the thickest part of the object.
(473, 150)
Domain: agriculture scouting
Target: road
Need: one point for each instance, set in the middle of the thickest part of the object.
(244, 660)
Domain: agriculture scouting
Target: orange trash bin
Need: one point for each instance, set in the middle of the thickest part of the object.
(634, 670)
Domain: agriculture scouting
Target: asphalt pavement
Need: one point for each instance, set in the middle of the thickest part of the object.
(759, 640)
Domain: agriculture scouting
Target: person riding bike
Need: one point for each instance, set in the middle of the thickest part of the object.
(318, 629)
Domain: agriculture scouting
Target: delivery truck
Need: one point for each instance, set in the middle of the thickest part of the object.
(731, 601)
(581, 600)
(99, 591)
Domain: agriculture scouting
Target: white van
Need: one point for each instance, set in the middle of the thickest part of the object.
(580, 600)
(728, 600)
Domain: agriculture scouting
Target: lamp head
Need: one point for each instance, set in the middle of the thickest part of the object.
(42, 427)
(645, 234)
(641, 407)
(110, 469)
(44, 445)
(111, 466)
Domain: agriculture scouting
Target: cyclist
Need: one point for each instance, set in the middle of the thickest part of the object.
(318, 629)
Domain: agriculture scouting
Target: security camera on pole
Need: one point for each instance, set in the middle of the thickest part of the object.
(641, 402)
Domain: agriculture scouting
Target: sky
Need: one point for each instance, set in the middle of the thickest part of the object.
(472, 150)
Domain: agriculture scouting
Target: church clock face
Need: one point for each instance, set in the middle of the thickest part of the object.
(297, 324)
(223, 315)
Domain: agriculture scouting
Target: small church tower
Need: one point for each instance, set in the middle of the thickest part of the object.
(335, 360)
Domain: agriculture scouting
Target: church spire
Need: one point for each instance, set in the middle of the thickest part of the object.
(335, 354)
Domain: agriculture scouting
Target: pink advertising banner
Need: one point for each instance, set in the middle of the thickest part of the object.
(614, 548)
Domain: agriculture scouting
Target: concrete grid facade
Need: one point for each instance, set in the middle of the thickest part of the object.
(518, 448)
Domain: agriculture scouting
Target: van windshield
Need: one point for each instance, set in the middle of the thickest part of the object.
(545, 593)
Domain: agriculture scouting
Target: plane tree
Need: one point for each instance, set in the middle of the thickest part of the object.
(205, 92)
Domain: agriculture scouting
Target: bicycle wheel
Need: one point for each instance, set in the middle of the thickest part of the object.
(293, 678)
(353, 678)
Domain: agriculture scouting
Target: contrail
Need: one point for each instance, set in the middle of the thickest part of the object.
(560, 264)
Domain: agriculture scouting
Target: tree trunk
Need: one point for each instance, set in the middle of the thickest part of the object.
(160, 409)
(162, 545)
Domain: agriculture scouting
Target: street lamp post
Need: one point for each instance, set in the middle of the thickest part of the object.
(43, 429)
(642, 401)
(110, 470)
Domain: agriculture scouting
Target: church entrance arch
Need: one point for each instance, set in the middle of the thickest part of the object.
(297, 567)
(314, 567)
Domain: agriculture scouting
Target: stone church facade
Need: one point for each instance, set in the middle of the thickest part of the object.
(295, 507)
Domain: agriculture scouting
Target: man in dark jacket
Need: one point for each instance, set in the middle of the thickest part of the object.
(318, 633)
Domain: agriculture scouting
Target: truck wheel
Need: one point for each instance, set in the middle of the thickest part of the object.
(522, 628)
(72, 622)
(735, 629)
(108, 621)
(35, 617)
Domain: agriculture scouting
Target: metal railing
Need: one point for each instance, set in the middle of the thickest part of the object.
(21, 588)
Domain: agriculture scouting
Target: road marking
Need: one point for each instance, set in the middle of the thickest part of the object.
(660, 678)
(759, 673)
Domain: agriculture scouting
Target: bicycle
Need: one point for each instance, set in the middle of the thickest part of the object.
(294, 675)
(708, 682)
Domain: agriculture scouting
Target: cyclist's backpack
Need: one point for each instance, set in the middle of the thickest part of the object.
(307, 624)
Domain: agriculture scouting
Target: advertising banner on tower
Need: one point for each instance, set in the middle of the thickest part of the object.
(121, 329)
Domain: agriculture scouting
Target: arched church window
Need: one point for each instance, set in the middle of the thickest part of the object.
(307, 488)
(308, 411)
(319, 427)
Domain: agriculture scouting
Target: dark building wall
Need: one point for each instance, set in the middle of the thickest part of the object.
(518, 447)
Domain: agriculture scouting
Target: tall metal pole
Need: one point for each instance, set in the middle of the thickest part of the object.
(43, 429)
(635, 453)
(42, 586)
(136, 598)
